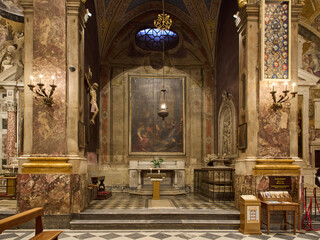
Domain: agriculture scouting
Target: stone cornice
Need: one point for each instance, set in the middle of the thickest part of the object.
(295, 12)
(27, 6)
(250, 12)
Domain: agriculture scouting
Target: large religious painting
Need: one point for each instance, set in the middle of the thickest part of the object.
(149, 133)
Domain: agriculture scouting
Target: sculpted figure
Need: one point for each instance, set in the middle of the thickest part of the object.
(93, 93)
(12, 52)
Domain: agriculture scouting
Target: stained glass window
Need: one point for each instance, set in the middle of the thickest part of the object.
(154, 39)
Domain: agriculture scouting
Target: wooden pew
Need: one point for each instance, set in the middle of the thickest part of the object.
(20, 218)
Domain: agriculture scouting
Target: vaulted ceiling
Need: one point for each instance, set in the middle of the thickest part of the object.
(197, 16)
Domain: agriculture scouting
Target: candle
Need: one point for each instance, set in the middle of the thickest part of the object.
(163, 106)
(52, 77)
(286, 84)
(273, 84)
(40, 76)
(150, 170)
(31, 79)
(293, 85)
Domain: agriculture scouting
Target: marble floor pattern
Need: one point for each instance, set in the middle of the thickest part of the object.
(160, 235)
(127, 201)
(8, 206)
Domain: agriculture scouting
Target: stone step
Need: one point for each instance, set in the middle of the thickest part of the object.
(156, 214)
(154, 224)
(156, 219)
(162, 192)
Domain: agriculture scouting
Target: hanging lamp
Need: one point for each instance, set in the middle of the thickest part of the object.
(163, 23)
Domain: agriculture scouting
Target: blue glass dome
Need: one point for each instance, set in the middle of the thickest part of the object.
(153, 39)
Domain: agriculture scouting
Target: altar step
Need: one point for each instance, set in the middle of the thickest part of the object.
(169, 192)
(156, 219)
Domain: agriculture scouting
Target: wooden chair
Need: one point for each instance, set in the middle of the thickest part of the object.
(20, 218)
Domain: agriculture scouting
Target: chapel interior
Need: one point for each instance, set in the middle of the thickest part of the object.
(94, 98)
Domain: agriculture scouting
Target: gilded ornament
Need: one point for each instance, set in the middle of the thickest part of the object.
(210, 26)
(163, 21)
(242, 3)
(103, 24)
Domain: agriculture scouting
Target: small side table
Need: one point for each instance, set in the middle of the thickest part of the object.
(272, 206)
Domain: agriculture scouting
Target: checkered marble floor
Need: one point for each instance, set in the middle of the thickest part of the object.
(160, 235)
(127, 201)
(8, 206)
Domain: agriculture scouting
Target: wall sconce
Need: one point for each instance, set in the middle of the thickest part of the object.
(283, 98)
(41, 91)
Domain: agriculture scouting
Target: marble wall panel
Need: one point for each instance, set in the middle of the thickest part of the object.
(243, 185)
(49, 59)
(58, 194)
(262, 184)
(79, 192)
(11, 136)
(104, 116)
(209, 137)
(50, 191)
(274, 135)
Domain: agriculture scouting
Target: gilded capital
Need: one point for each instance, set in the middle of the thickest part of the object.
(242, 3)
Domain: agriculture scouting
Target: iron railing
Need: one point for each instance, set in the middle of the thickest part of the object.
(216, 184)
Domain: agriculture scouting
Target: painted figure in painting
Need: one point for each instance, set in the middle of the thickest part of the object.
(93, 93)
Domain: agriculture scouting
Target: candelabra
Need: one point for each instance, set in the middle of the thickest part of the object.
(41, 93)
(283, 98)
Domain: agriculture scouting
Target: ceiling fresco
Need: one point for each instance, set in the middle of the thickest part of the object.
(178, 3)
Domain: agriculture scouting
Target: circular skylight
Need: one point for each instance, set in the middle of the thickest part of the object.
(153, 39)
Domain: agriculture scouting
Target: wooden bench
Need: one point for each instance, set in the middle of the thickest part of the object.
(20, 218)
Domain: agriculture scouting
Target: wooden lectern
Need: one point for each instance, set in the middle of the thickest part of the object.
(156, 178)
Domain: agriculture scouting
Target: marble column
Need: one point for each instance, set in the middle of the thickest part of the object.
(271, 135)
(11, 130)
(53, 171)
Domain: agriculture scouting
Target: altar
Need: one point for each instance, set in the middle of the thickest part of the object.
(174, 183)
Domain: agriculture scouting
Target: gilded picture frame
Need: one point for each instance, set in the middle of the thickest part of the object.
(148, 133)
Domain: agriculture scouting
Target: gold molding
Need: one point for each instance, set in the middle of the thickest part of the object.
(242, 3)
(276, 167)
(47, 165)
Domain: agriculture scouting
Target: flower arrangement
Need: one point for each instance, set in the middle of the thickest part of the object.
(156, 162)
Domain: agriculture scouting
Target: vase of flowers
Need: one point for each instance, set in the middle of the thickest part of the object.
(156, 162)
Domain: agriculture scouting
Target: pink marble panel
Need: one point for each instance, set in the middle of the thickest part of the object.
(79, 192)
(92, 158)
(263, 182)
(11, 136)
(243, 185)
(208, 113)
(58, 194)
(104, 112)
(49, 59)
(273, 136)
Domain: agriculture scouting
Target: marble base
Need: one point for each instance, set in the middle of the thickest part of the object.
(58, 194)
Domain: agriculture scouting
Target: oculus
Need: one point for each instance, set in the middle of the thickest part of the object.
(153, 39)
